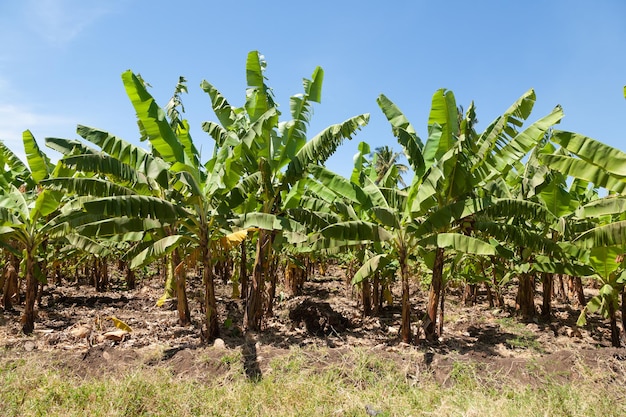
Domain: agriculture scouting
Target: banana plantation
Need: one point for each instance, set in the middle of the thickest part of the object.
(520, 208)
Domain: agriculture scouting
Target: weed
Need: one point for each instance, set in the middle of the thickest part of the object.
(231, 358)
(525, 340)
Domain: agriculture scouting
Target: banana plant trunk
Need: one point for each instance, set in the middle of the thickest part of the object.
(10, 287)
(170, 279)
(442, 304)
(624, 308)
(95, 274)
(615, 336)
(182, 305)
(254, 307)
(28, 318)
(499, 297)
(366, 297)
(243, 272)
(376, 298)
(405, 327)
(525, 304)
(434, 295)
(294, 279)
(578, 289)
(131, 282)
(547, 284)
(212, 323)
(210, 303)
(272, 272)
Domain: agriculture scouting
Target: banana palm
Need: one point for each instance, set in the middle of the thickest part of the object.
(274, 157)
(454, 172)
(167, 193)
(27, 217)
(370, 209)
(603, 241)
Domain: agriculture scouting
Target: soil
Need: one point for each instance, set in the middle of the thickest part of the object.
(76, 331)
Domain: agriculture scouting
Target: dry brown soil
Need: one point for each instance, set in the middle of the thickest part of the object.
(73, 320)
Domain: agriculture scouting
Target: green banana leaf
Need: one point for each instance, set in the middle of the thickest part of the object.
(38, 162)
(405, 133)
(323, 145)
(370, 267)
(459, 242)
(356, 230)
(603, 236)
(610, 159)
(156, 251)
(152, 121)
(443, 113)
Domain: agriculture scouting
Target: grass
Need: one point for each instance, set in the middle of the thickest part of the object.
(522, 337)
(303, 383)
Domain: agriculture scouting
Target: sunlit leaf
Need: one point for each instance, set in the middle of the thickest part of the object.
(120, 324)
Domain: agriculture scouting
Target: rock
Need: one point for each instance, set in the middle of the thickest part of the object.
(29, 346)
(219, 344)
(371, 411)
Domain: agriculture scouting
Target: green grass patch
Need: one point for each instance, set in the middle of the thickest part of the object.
(303, 383)
(521, 338)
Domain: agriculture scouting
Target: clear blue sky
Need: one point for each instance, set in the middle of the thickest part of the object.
(61, 61)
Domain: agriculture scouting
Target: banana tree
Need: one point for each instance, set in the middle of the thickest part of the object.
(591, 161)
(604, 246)
(608, 264)
(119, 169)
(373, 213)
(532, 235)
(26, 217)
(337, 200)
(274, 156)
(166, 192)
(454, 172)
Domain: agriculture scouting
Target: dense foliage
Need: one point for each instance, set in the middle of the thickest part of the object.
(516, 204)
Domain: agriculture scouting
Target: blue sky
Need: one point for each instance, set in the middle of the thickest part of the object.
(61, 61)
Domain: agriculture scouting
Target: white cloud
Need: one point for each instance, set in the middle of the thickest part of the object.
(14, 120)
(60, 21)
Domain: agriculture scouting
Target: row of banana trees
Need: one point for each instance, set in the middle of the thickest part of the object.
(512, 203)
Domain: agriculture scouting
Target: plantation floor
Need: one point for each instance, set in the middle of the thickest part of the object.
(317, 333)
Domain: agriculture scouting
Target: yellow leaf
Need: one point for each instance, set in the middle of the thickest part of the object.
(120, 324)
(231, 240)
(161, 300)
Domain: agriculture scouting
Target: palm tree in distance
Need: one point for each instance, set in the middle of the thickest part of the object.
(384, 158)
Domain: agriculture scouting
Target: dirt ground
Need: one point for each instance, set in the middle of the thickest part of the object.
(74, 325)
